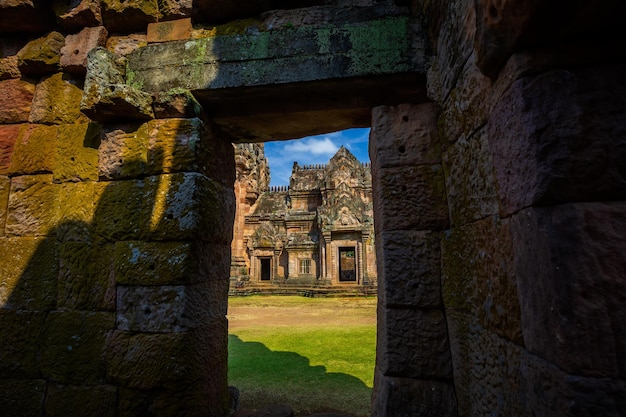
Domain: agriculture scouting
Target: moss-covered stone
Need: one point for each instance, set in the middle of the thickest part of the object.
(86, 277)
(22, 398)
(77, 209)
(123, 152)
(188, 206)
(35, 150)
(173, 145)
(93, 401)
(28, 273)
(33, 206)
(119, 210)
(42, 55)
(73, 346)
(155, 263)
(177, 102)
(57, 100)
(77, 152)
(21, 332)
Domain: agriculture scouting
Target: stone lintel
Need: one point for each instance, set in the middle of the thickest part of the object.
(299, 81)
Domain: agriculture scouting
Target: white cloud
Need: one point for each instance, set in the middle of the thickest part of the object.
(314, 145)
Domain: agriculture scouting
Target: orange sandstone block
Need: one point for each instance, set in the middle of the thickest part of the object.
(16, 97)
(173, 30)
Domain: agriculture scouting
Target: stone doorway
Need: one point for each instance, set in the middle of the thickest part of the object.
(266, 269)
(347, 264)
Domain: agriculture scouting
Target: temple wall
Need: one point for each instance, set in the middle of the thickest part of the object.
(521, 277)
(499, 209)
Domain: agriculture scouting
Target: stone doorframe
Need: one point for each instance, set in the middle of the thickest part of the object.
(201, 80)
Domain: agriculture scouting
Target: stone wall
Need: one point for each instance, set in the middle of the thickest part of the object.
(114, 236)
(499, 200)
(528, 239)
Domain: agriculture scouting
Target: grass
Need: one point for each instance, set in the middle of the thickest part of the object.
(316, 354)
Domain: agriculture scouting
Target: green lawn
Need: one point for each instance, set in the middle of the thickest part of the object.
(314, 354)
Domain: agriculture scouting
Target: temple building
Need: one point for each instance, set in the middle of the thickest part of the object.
(318, 231)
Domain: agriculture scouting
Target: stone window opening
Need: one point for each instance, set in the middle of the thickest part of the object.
(305, 266)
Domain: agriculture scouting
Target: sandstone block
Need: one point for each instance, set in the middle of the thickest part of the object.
(5, 186)
(470, 180)
(405, 135)
(8, 68)
(487, 369)
(77, 152)
(396, 397)
(57, 100)
(175, 145)
(123, 152)
(170, 308)
(410, 198)
(76, 15)
(169, 360)
(74, 52)
(169, 263)
(42, 55)
(123, 45)
(410, 263)
(175, 104)
(95, 401)
(33, 206)
(129, 15)
(16, 98)
(86, 277)
(22, 398)
(570, 268)
(173, 30)
(478, 275)
(25, 16)
(35, 150)
(188, 206)
(19, 350)
(118, 210)
(569, 394)
(413, 344)
(559, 137)
(8, 136)
(29, 273)
(73, 346)
(77, 207)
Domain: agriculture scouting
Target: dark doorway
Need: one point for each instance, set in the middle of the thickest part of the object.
(266, 269)
(347, 264)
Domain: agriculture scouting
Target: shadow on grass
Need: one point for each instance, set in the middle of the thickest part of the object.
(267, 377)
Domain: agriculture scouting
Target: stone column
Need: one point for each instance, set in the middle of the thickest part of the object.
(413, 373)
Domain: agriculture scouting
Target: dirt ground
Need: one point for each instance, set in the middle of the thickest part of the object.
(315, 312)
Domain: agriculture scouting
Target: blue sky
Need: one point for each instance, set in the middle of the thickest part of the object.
(313, 150)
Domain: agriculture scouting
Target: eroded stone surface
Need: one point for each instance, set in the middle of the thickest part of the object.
(16, 97)
(33, 206)
(74, 52)
(78, 14)
(98, 400)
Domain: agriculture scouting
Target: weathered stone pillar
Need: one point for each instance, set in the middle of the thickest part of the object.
(413, 374)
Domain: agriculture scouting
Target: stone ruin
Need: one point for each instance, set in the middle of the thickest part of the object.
(498, 145)
(318, 232)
